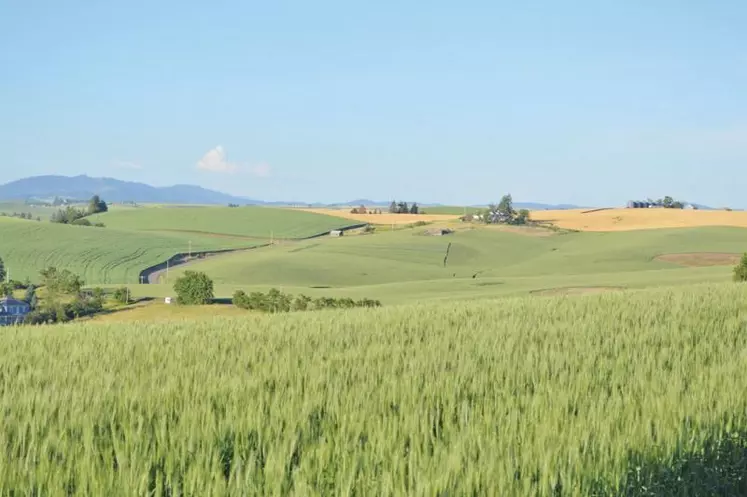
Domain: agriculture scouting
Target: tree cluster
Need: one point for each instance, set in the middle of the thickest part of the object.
(194, 288)
(233, 205)
(276, 301)
(20, 215)
(503, 213)
(402, 208)
(64, 301)
(72, 215)
(667, 203)
(364, 210)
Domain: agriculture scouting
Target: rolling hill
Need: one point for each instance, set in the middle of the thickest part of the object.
(98, 255)
(250, 221)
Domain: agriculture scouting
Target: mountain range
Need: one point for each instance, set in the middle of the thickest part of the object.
(113, 190)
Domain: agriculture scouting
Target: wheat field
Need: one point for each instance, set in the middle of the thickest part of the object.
(384, 218)
(639, 219)
(626, 394)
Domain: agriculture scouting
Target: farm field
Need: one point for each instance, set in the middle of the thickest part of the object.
(42, 212)
(98, 255)
(639, 393)
(384, 218)
(400, 265)
(250, 222)
(639, 219)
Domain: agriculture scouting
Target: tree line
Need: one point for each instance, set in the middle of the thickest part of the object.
(20, 215)
(75, 216)
(276, 301)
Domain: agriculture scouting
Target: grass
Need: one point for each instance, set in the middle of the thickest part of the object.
(639, 219)
(98, 255)
(407, 258)
(252, 222)
(639, 393)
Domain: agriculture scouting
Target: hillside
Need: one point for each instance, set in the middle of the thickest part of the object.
(516, 397)
(405, 266)
(113, 190)
(99, 255)
(252, 222)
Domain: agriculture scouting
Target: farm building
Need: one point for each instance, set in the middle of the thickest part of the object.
(637, 204)
(335, 233)
(13, 311)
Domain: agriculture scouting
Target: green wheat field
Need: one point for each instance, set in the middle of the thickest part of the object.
(626, 394)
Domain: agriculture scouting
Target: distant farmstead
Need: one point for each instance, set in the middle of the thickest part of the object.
(13, 311)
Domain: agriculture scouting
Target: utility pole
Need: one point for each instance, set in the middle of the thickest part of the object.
(272, 237)
(167, 270)
(190, 249)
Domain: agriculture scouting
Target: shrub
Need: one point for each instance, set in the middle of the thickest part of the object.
(81, 222)
(740, 270)
(122, 295)
(194, 288)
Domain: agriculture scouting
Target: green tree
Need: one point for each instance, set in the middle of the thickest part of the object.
(61, 282)
(740, 270)
(393, 208)
(522, 217)
(194, 288)
(96, 205)
(414, 209)
(30, 294)
(506, 208)
(122, 295)
(3, 273)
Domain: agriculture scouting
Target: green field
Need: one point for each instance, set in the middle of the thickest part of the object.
(640, 393)
(254, 222)
(36, 211)
(406, 265)
(450, 209)
(98, 255)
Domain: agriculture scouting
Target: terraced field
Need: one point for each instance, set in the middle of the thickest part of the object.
(250, 222)
(99, 255)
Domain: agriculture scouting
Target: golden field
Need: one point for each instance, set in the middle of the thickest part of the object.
(639, 219)
(384, 218)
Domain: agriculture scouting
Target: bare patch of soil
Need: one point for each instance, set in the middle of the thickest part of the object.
(575, 290)
(701, 259)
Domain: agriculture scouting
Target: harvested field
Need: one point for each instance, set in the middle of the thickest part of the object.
(576, 290)
(701, 259)
(639, 219)
(383, 218)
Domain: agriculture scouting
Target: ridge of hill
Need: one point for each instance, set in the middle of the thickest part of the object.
(113, 190)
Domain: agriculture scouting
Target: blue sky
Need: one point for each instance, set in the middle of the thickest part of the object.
(588, 102)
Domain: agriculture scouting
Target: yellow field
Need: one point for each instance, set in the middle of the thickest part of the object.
(385, 218)
(639, 219)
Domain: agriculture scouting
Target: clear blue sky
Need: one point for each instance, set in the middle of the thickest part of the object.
(588, 102)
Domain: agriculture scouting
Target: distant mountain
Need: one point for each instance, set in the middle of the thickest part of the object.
(112, 190)
(84, 187)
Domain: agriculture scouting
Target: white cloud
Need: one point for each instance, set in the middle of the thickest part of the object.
(261, 170)
(122, 164)
(214, 161)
